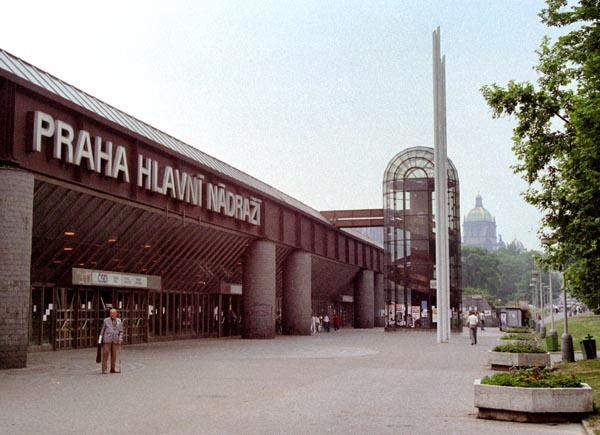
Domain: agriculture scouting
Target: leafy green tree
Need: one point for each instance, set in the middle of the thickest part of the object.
(480, 269)
(515, 273)
(557, 141)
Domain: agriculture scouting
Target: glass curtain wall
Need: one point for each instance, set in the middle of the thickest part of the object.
(409, 243)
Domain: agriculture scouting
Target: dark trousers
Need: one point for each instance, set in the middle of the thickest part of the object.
(473, 334)
(113, 349)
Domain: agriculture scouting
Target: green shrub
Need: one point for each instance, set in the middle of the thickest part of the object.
(518, 348)
(516, 337)
(517, 329)
(533, 378)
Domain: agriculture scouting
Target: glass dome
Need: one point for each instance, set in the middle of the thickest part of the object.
(409, 244)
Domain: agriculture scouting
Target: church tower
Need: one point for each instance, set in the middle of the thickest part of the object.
(479, 227)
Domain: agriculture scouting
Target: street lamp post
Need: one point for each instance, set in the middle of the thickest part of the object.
(568, 354)
(534, 302)
(542, 323)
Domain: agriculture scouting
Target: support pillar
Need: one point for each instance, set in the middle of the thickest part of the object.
(364, 299)
(258, 283)
(379, 301)
(16, 221)
(296, 315)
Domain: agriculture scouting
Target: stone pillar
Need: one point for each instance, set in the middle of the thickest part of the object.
(296, 304)
(364, 299)
(16, 221)
(379, 299)
(258, 283)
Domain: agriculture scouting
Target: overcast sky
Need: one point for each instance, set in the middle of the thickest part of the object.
(312, 97)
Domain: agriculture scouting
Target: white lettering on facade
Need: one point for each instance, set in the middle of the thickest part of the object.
(221, 200)
(84, 150)
(120, 164)
(103, 156)
(75, 147)
(43, 125)
(63, 135)
(174, 183)
(96, 158)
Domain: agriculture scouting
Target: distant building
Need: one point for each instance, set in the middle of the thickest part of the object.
(516, 245)
(479, 228)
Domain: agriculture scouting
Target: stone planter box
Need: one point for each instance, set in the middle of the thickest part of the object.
(532, 342)
(529, 335)
(506, 360)
(533, 405)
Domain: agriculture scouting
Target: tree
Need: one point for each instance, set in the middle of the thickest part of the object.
(515, 269)
(557, 142)
(480, 269)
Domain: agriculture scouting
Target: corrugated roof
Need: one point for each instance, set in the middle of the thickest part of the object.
(34, 75)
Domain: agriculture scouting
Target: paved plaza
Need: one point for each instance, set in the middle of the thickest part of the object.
(350, 382)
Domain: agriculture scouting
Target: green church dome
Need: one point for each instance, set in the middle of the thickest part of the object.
(479, 213)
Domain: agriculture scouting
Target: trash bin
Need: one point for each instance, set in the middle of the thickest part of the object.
(588, 347)
(552, 343)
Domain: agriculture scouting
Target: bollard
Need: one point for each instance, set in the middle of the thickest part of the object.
(542, 331)
(566, 347)
(552, 341)
(588, 347)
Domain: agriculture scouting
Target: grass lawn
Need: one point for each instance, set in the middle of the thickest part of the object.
(588, 371)
(579, 327)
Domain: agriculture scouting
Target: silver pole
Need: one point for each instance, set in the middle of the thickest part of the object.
(551, 298)
(542, 322)
(437, 188)
(444, 205)
(441, 193)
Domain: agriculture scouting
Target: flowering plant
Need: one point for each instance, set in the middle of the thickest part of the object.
(518, 348)
(533, 378)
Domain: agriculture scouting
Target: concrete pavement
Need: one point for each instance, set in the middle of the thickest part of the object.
(350, 382)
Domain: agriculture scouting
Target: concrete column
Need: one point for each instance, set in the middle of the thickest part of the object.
(296, 304)
(16, 221)
(258, 283)
(364, 299)
(379, 301)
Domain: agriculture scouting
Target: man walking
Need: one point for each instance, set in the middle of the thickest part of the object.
(472, 322)
(111, 337)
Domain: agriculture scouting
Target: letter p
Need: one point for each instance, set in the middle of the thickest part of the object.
(43, 125)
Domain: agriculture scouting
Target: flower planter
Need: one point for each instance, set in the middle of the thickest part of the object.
(532, 342)
(532, 405)
(528, 335)
(506, 360)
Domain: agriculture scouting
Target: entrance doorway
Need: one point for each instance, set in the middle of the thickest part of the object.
(71, 318)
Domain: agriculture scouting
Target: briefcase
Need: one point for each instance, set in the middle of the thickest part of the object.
(99, 352)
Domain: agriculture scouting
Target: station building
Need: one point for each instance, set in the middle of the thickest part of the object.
(99, 209)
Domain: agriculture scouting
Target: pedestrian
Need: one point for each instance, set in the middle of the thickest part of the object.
(313, 325)
(336, 322)
(482, 321)
(472, 322)
(278, 324)
(327, 322)
(111, 337)
(318, 323)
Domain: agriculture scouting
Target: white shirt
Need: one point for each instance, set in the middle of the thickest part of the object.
(472, 320)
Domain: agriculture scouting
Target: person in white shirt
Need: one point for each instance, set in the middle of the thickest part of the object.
(472, 322)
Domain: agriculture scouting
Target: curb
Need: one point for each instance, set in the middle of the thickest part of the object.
(586, 427)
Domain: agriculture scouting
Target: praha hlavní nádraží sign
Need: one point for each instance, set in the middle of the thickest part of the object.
(77, 147)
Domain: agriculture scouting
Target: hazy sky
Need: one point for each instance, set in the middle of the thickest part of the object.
(312, 97)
